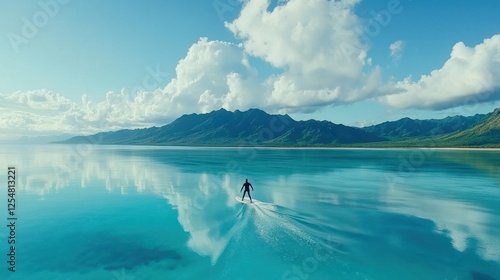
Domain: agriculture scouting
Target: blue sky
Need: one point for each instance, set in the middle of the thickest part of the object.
(72, 66)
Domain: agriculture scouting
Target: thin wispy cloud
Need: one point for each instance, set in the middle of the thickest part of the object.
(396, 49)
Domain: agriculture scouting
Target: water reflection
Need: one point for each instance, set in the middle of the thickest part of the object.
(305, 193)
(485, 161)
(463, 222)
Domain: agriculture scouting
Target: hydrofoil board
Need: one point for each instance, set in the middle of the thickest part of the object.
(247, 200)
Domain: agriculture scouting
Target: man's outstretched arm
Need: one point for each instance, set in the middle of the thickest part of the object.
(242, 188)
(251, 186)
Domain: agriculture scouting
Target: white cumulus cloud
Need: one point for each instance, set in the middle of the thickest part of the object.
(212, 75)
(316, 44)
(471, 74)
(313, 44)
(317, 56)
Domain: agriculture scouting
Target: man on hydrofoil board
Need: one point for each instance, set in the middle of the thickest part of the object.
(247, 187)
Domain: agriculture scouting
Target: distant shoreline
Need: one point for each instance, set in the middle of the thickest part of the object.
(375, 147)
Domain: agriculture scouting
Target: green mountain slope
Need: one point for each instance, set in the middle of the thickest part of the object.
(486, 132)
(409, 128)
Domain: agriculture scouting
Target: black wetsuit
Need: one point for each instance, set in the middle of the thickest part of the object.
(247, 186)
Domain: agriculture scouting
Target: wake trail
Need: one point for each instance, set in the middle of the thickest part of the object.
(270, 219)
(301, 236)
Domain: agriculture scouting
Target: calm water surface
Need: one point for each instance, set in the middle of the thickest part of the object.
(127, 212)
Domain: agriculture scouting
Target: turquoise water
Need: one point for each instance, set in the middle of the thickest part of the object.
(123, 212)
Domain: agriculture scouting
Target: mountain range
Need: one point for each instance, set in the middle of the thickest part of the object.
(258, 128)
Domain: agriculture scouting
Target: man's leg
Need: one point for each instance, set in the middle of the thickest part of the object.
(243, 195)
(250, 196)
